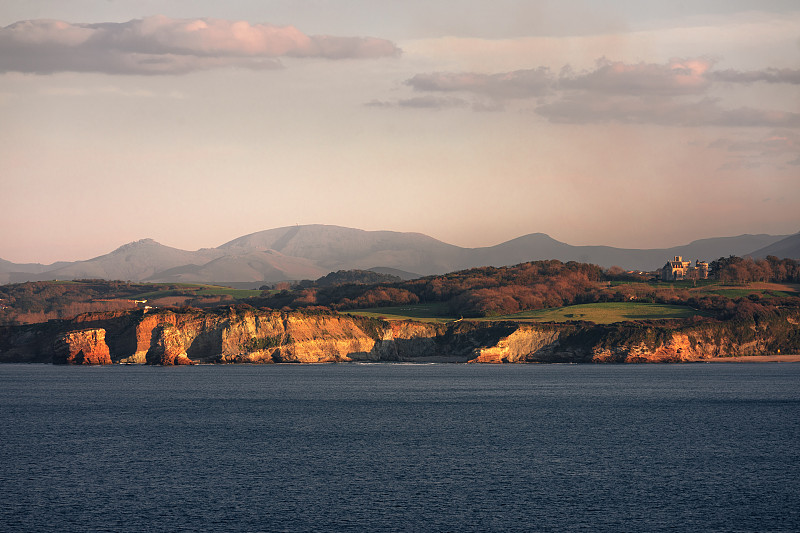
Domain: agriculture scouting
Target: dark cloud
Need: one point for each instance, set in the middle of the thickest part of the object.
(161, 45)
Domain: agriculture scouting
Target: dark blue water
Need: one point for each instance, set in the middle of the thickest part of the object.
(351, 447)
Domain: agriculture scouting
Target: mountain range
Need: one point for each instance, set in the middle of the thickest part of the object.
(311, 251)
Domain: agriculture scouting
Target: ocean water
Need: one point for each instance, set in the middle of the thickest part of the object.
(394, 447)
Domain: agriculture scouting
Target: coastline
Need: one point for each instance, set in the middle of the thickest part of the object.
(775, 358)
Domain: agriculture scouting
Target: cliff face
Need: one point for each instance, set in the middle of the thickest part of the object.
(646, 342)
(529, 343)
(82, 347)
(274, 337)
(253, 336)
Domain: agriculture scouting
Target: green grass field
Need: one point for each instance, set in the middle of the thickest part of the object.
(430, 312)
(187, 289)
(601, 313)
(685, 284)
(742, 293)
(736, 293)
(604, 313)
(235, 293)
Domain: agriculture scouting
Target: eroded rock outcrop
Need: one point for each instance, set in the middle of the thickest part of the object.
(167, 347)
(525, 344)
(247, 335)
(250, 336)
(82, 347)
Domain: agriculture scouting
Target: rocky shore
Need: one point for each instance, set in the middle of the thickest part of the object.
(246, 335)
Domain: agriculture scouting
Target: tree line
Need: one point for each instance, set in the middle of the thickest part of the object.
(735, 269)
(476, 292)
(494, 291)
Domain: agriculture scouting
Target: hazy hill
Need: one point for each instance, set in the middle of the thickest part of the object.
(16, 272)
(538, 246)
(788, 247)
(255, 266)
(134, 261)
(338, 248)
(715, 248)
(309, 252)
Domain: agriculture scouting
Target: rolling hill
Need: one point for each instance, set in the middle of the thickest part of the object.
(311, 251)
(135, 261)
(337, 248)
(788, 247)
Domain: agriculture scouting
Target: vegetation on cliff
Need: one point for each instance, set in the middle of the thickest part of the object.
(494, 292)
(350, 277)
(477, 292)
(39, 301)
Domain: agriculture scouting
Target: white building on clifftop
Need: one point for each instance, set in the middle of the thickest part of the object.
(678, 269)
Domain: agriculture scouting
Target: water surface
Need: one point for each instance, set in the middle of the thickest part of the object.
(393, 447)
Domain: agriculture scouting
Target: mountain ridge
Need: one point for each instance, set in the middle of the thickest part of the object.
(787, 247)
(310, 251)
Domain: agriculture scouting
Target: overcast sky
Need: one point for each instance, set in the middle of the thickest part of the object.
(627, 123)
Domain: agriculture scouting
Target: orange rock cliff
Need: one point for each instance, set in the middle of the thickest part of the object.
(171, 337)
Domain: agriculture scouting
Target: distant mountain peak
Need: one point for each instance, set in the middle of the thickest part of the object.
(310, 251)
(137, 244)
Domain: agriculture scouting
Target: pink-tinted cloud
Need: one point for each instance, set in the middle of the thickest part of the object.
(676, 77)
(161, 45)
(674, 93)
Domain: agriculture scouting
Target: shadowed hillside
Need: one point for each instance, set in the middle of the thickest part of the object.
(788, 247)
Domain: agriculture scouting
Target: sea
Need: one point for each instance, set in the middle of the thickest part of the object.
(400, 447)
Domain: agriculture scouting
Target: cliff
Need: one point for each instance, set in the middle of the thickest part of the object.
(647, 342)
(169, 337)
(82, 347)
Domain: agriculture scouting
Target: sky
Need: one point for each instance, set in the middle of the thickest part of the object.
(629, 123)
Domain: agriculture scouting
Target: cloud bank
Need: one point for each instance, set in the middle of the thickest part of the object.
(518, 84)
(162, 45)
(675, 93)
(676, 77)
(769, 75)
